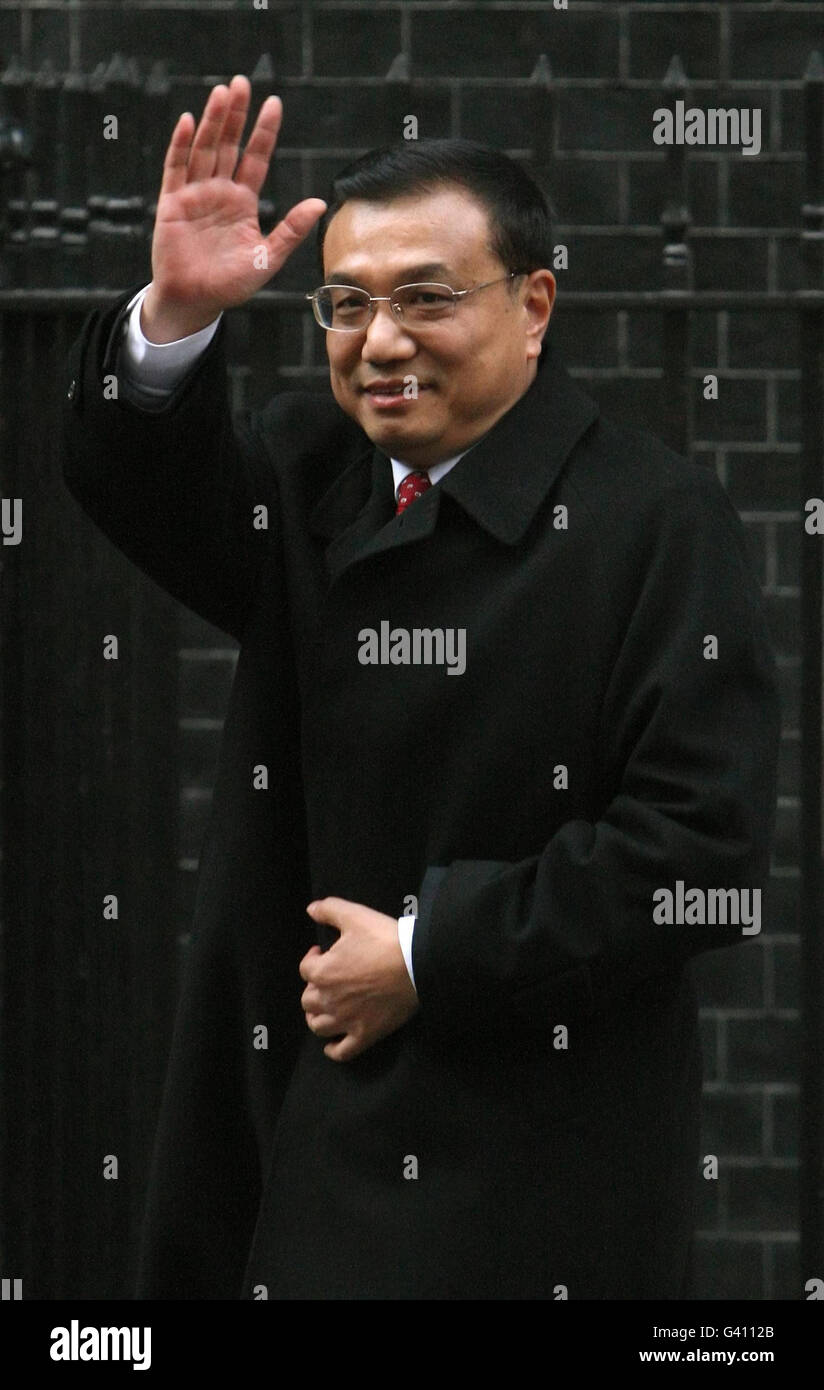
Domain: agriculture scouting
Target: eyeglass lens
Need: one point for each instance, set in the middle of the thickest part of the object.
(342, 306)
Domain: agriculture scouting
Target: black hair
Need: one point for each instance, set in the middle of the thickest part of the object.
(520, 218)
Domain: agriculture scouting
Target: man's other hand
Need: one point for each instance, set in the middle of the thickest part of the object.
(358, 991)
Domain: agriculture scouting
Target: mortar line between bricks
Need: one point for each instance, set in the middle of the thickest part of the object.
(723, 1200)
(724, 340)
(595, 8)
(743, 1089)
(725, 1013)
(772, 555)
(306, 41)
(769, 976)
(757, 1237)
(623, 43)
(523, 83)
(724, 46)
(768, 1128)
(748, 1163)
(206, 654)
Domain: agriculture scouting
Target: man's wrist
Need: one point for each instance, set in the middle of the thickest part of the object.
(156, 368)
(164, 324)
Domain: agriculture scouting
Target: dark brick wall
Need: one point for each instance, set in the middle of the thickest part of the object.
(470, 66)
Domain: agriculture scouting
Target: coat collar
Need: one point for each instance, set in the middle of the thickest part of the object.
(500, 482)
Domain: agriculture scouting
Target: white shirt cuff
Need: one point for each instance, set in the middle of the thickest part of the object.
(158, 367)
(406, 926)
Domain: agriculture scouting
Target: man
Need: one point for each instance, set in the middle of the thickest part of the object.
(502, 663)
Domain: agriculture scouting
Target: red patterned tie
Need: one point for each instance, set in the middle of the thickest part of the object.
(414, 485)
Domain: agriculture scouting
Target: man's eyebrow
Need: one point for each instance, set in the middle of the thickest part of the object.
(410, 276)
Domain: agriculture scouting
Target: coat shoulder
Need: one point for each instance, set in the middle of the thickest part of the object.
(631, 473)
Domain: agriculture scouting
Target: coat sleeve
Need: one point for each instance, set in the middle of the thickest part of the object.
(687, 763)
(174, 488)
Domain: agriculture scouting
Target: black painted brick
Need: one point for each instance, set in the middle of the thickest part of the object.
(609, 261)
(739, 413)
(789, 684)
(634, 403)
(360, 114)
(655, 37)
(708, 1027)
(756, 542)
(344, 46)
(759, 339)
(731, 976)
(497, 114)
(584, 339)
(731, 1124)
(784, 615)
(709, 1193)
(789, 769)
(765, 192)
(728, 1269)
(781, 906)
(771, 45)
(763, 1198)
(787, 1280)
(729, 262)
(763, 1048)
(787, 833)
(585, 191)
(608, 119)
(212, 42)
(645, 337)
(789, 552)
(765, 481)
(786, 972)
(788, 425)
(648, 195)
(785, 1112)
(482, 42)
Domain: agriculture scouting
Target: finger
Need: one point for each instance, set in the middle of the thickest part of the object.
(177, 154)
(306, 967)
(345, 1049)
(254, 166)
(203, 154)
(323, 1025)
(281, 242)
(311, 1001)
(240, 90)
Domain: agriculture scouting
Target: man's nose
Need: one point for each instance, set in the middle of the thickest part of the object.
(386, 337)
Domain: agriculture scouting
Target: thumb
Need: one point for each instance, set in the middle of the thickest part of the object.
(292, 229)
(332, 911)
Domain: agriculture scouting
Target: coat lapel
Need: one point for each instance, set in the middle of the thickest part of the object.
(500, 482)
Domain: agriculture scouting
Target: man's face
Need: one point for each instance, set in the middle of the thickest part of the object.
(469, 369)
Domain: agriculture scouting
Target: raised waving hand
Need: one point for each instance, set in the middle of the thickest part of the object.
(208, 249)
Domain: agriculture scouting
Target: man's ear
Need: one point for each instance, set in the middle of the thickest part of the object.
(539, 298)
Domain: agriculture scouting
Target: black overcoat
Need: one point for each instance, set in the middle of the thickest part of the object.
(596, 748)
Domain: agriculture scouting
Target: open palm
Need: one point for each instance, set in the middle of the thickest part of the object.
(208, 250)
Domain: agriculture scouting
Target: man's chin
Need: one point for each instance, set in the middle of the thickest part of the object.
(392, 436)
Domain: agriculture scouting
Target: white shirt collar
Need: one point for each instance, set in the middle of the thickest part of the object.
(436, 472)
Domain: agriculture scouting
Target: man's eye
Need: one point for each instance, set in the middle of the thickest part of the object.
(428, 297)
(350, 303)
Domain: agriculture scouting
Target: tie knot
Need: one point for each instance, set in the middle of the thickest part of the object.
(414, 485)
